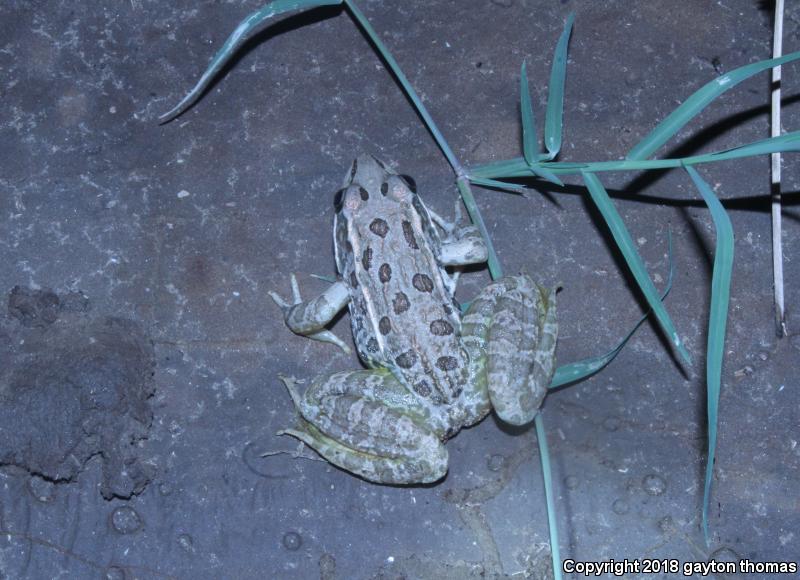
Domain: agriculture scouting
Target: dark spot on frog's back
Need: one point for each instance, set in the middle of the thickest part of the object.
(400, 303)
(447, 363)
(406, 360)
(353, 280)
(385, 273)
(385, 325)
(366, 258)
(353, 170)
(384, 188)
(423, 389)
(408, 234)
(363, 193)
(372, 345)
(422, 282)
(441, 327)
(379, 227)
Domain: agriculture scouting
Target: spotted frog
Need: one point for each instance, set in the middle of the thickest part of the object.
(431, 370)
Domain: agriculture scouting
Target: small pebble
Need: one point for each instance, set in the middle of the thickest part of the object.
(186, 542)
(125, 520)
(183, 193)
(654, 484)
(496, 462)
(620, 507)
(292, 541)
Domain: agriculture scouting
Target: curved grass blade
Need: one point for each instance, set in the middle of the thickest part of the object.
(626, 246)
(529, 145)
(547, 475)
(529, 148)
(573, 372)
(234, 42)
(554, 116)
(698, 101)
(720, 298)
(518, 167)
(406, 86)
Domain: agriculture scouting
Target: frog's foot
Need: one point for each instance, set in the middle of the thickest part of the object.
(309, 318)
(296, 454)
(363, 435)
(513, 321)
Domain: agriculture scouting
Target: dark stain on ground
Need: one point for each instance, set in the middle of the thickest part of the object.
(73, 386)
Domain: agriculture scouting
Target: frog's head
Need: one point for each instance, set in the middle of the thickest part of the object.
(370, 178)
(372, 194)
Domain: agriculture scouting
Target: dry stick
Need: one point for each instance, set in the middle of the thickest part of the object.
(777, 246)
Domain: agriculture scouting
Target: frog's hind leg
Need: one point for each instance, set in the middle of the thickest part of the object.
(309, 318)
(511, 330)
(366, 423)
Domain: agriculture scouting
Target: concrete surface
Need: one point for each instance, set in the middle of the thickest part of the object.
(180, 230)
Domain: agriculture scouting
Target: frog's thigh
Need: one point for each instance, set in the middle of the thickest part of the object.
(517, 320)
(365, 422)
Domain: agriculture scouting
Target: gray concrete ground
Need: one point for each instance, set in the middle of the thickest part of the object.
(180, 230)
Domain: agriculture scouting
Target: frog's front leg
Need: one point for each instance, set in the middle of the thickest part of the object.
(462, 245)
(510, 331)
(309, 318)
(366, 423)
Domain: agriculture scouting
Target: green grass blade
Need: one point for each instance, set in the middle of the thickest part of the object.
(529, 147)
(546, 174)
(234, 42)
(720, 298)
(634, 261)
(405, 85)
(547, 475)
(494, 184)
(493, 262)
(698, 101)
(554, 116)
(574, 372)
(518, 167)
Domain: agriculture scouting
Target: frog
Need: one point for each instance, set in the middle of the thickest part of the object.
(431, 370)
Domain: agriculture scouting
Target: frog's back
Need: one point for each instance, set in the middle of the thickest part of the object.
(402, 313)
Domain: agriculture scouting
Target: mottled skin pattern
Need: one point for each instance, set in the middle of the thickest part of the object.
(431, 372)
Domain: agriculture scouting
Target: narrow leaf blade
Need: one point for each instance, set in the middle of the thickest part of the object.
(494, 184)
(717, 320)
(529, 148)
(547, 475)
(554, 117)
(676, 120)
(625, 244)
(239, 36)
(577, 371)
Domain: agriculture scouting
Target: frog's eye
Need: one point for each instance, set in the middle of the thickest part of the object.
(399, 189)
(338, 200)
(412, 185)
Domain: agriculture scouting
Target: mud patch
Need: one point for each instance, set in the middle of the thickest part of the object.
(72, 387)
